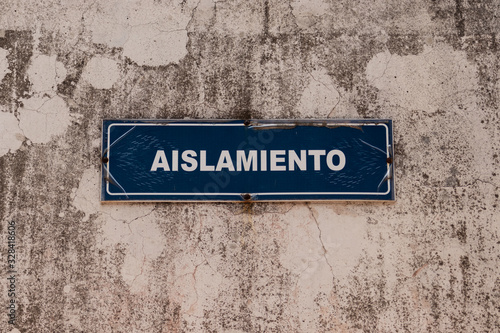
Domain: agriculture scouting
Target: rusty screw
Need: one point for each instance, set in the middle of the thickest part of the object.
(246, 196)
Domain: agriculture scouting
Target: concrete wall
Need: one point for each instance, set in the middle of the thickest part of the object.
(428, 263)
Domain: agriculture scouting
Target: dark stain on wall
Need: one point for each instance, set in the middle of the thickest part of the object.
(259, 76)
(405, 44)
(459, 18)
(67, 87)
(15, 84)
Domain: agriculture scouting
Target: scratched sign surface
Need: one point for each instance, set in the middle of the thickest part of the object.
(254, 160)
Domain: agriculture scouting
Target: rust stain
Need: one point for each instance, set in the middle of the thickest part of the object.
(418, 270)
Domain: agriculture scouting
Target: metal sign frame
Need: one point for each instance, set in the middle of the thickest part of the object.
(113, 189)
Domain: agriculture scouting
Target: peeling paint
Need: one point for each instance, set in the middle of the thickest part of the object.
(45, 73)
(144, 244)
(11, 137)
(149, 45)
(42, 118)
(307, 12)
(148, 37)
(132, 226)
(321, 96)
(4, 64)
(101, 72)
(427, 263)
(421, 81)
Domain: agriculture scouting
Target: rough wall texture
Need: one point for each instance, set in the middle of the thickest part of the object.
(428, 263)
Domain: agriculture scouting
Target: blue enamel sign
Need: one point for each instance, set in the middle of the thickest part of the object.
(253, 160)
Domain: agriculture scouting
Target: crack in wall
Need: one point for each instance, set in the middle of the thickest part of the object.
(143, 216)
(144, 259)
(342, 43)
(385, 69)
(193, 12)
(321, 239)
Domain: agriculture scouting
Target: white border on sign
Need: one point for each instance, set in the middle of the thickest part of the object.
(256, 194)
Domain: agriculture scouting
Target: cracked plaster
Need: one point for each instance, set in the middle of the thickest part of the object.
(44, 115)
(4, 66)
(422, 81)
(306, 12)
(149, 32)
(45, 73)
(428, 262)
(101, 72)
(11, 137)
(42, 118)
(133, 226)
(320, 97)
